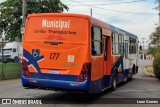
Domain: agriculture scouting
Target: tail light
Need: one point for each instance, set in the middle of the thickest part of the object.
(25, 69)
(84, 72)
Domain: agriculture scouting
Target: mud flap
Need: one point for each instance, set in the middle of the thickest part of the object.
(95, 86)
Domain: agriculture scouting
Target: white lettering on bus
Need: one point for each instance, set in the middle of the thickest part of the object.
(55, 24)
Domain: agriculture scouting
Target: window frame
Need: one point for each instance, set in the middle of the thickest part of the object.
(93, 40)
(132, 45)
(115, 42)
(121, 42)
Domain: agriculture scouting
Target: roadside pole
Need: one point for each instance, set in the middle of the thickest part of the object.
(91, 12)
(23, 17)
(143, 46)
(3, 37)
(24, 13)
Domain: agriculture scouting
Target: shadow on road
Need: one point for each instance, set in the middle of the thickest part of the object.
(79, 98)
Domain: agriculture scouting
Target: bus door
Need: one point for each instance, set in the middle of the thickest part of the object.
(126, 51)
(96, 60)
(105, 65)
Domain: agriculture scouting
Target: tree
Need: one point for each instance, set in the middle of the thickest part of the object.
(155, 36)
(11, 14)
(153, 50)
(156, 65)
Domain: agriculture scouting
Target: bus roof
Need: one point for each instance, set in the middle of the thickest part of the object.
(116, 29)
(111, 27)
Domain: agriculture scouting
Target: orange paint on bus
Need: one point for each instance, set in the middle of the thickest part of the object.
(74, 42)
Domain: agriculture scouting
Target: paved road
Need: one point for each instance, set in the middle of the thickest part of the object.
(142, 86)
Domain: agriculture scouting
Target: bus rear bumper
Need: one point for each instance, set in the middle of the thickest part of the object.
(55, 84)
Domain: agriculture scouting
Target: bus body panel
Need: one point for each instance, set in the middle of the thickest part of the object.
(56, 48)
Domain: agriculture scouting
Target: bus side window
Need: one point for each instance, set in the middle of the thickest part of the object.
(115, 43)
(96, 41)
(132, 46)
(121, 44)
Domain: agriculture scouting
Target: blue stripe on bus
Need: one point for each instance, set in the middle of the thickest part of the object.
(106, 82)
(31, 60)
(125, 72)
(56, 81)
(56, 84)
(117, 64)
(98, 85)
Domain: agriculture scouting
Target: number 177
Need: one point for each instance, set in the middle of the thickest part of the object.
(54, 55)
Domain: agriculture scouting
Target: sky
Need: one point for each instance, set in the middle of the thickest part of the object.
(135, 16)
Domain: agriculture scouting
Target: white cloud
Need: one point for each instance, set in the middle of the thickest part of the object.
(1, 1)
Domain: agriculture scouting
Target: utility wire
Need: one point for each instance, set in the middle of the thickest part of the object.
(112, 3)
(110, 9)
(141, 21)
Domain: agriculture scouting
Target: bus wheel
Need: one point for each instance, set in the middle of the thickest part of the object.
(114, 82)
(134, 69)
(130, 78)
(133, 72)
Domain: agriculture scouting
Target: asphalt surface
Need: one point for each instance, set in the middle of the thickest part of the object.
(142, 86)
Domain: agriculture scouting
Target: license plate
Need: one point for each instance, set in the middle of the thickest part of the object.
(53, 71)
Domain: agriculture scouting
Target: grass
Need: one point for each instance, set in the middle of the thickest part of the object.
(10, 70)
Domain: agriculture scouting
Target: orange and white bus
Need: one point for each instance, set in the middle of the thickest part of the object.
(76, 52)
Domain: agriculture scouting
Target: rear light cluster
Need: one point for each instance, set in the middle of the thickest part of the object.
(84, 72)
(25, 69)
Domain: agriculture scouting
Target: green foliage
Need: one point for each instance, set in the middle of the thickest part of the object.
(155, 36)
(156, 65)
(153, 50)
(11, 13)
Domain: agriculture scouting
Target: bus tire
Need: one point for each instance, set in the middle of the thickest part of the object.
(114, 82)
(134, 69)
(132, 73)
(130, 78)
